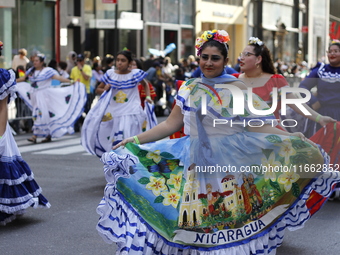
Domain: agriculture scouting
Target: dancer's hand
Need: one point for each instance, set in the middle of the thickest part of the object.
(107, 87)
(303, 138)
(149, 100)
(324, 120)
(123, 143)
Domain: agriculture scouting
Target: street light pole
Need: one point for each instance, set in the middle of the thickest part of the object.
(116, 35)
(57, 29)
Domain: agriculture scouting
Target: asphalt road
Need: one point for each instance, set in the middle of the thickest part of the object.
(74, 185)
(73, 182)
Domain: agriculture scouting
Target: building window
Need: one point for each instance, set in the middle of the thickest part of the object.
(40, 17)
(154, 38)
(152, 10)
(226, 2)
(187, 199)
(170, 12)
(187, 41)
(77, 8)
(186, 12)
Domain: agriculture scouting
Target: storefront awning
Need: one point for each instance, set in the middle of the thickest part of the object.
(128, 20)
(7, 3)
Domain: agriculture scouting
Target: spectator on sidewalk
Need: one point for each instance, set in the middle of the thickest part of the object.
(20, 59)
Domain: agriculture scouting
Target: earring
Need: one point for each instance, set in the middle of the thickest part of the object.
(257, 65)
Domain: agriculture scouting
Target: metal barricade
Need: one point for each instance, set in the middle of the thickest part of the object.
(19, 116)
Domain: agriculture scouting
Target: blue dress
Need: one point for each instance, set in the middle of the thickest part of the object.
(218, 190)
(326, 79)
(18, 189)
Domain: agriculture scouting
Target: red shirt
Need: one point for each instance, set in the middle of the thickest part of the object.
(265, 92)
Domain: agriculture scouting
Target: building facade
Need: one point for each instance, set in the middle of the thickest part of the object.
(104, 27)
(26, 24)
(294, 30)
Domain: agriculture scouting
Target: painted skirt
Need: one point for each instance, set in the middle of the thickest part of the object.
(54, 110)
(18, 189)
(236, 196)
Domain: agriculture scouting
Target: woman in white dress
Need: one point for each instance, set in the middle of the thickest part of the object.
(18, 189)
(55, 110)
(219, 189)
(118, 113)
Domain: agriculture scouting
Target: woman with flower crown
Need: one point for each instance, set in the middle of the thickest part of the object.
(326, 78)
(18, 189)
(227, 187)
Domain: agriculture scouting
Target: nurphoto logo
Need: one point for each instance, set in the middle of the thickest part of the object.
(238, 104)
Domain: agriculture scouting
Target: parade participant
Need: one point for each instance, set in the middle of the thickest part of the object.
(71, 61)
(258, 72)
(54, 110)
(180, 196)
(19, 190)
(149, 109)
(137, 64)
(326, 78)
(118, 114)
(20, 59)
(83, 73)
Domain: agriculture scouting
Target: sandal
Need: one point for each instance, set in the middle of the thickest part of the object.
(47, 139)
(33, 139)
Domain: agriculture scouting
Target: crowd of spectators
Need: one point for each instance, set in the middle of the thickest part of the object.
(162, 74)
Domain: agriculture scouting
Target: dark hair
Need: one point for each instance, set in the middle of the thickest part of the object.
(223, 47)
(127, 54)
(19, 68)
(267, 61)
(95, 65)
(63, 65)
(139, 63)
(156, 63)
(41, 57)
(53, 63)
(335, 43)
(109, 60)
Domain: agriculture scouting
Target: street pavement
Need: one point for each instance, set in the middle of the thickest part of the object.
(73, 182)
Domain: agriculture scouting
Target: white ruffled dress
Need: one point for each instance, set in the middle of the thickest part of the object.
(54, 109)
(18, 189)
(160, 198)
(117, 115)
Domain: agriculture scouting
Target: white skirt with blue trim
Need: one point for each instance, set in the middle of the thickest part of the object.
(18, 189)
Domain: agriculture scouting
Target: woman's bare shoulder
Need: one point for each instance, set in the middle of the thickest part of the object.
(239, 84)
